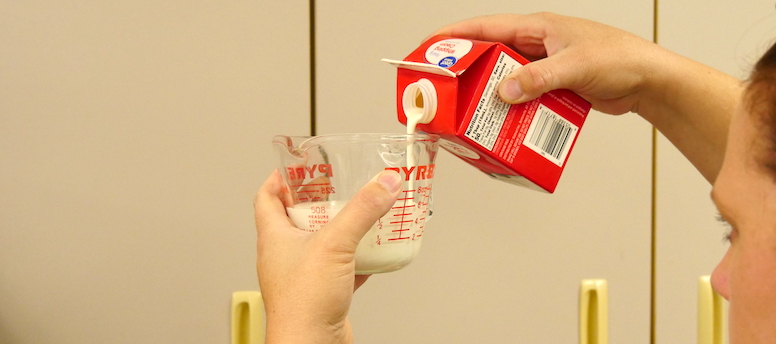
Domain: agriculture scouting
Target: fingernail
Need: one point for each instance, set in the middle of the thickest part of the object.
(390, 180)
(510, 90)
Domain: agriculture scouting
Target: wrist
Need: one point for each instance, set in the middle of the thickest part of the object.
(294, 330)
(679, 89)
(665, 74)
(690, 104)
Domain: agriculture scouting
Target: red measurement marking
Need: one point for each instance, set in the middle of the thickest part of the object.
(401, 218)
(402, 238)
(405, 221)
(400, 231)
(405, 206)
(298, 185)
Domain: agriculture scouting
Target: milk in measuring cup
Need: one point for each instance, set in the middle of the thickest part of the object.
(391, 243)
(323, 173)
(312, 216)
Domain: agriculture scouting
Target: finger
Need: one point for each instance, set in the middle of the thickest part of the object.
(314, 190)
(269, 211)
(529, 34)
(360, 280)
(526, 33)
(362, 211)
(295, 180)
(532, 80)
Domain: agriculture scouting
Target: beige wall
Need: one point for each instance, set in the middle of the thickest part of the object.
(499, 264)
(133, 136)
(730, 36)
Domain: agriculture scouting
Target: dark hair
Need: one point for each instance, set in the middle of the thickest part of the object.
(760, 100)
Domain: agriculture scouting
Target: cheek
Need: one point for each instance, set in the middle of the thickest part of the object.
(753, 281)
(720, 278)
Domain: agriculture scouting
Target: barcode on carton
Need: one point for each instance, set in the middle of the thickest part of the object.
(550, 135)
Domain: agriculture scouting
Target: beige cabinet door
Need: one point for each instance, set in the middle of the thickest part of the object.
(730, 36)
(133, 136)
(500, 263)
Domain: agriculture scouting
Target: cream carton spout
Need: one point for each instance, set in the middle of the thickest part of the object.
(447, 86)
(421, 67)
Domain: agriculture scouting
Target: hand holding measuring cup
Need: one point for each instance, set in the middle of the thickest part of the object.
(307, 279)
(323, 173)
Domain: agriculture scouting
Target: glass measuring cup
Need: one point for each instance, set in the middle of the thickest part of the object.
(322, 173)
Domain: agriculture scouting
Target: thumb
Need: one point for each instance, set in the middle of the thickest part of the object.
(534, 79)
(363, 210)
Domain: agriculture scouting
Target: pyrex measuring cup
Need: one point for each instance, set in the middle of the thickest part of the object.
(322, 173)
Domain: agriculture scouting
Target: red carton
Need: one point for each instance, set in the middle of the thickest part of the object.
(451, 83)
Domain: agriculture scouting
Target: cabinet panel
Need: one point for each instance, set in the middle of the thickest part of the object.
(499, 264)
(133, 136)
(730, 36)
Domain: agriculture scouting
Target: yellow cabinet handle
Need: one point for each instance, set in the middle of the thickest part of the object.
(247, 318)
(711, 314)
(593, 312)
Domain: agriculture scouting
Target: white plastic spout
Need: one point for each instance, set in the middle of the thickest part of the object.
(419, 102)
